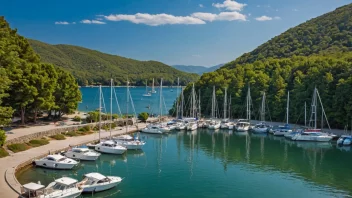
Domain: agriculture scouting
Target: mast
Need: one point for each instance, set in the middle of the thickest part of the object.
(99, 111)
(213, 104)
(182, 101)
(314, 107)
(230, 107)
(249, 103)
(127, 101)
(225, 103)
(199, 114)
(153, 86)
(263, 108)
(305, 114)
(177, 99)
(146, 87)
(193, 101)
(111, 106)
(287, 106)
(160, 105)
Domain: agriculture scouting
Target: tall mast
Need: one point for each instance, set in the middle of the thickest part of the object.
(249, 103)
(153, 86)
(182, 101)
(213, 104)
(111, 106)
(99, 111)
(314, 107)
(177, 98)
(287, 106)
(146, 86)
(230, 107)
(263, 108)
(305, 114)
(225, 103)
(193, 101)
(199, 113)
(160, 100)
(127, 103)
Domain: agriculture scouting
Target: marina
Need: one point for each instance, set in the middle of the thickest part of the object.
(215, 160)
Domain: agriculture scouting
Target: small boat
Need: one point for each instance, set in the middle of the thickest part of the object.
(110, 147)
(56, 162)
(147, 93)
(191, 126)
(224, 124)
(153, 89)
(64, 187)
(260, 128)
(344, 140)
(242, 125)
(214, 125)
(129, 142)
(152, 129)
(96, 182)
(82, 154)
(282, 130)
(291, 134)
(180, 126)
(312, 136)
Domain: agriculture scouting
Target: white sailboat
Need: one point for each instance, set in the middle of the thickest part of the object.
(225, 123)
(213, 124)
(261, 127)
(314, 134)
(153, 88)
(283, 130)
(243, 125)
(147, 94)
(191, 126)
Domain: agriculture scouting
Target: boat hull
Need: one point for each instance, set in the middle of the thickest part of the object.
(153, 131)
(102, 186)
(109, 150)
(54, 165)
(82, 157)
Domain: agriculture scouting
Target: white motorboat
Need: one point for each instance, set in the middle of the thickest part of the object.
(260, 128)
(110, 147)
(96, 182)
(64, 187)
(242, 125)
(214, 125)
(152, 129)
(129, 142)
(344, 140)
(191, 126)
(56, 162)
(82, 154)
(282, 130)
(312, 136)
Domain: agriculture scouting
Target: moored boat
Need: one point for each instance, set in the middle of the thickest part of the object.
(82, 154)
(56, 162)
(110, 147)
(96, 182)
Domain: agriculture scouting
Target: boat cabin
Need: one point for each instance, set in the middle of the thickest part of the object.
(94, 178)
(63, 183)
(80, 150)
(56, 158)
(109, 144)
(32, 190)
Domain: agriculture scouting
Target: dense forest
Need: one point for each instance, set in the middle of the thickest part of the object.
(29, 86)
(314, 54)
(92, 67)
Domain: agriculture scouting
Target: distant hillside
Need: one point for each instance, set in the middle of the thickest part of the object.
(94, 67)
(196, 69)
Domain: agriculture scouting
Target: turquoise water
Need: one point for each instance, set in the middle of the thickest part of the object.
(219, 164)
(90, 100)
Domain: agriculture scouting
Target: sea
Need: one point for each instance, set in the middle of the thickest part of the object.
(217, 164)
(137, 103)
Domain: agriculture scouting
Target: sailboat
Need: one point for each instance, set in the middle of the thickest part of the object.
(153, 88)
(261, 127)
(107, 146)
(214, 124)
(314, 134)
(282, 130)
(225, 123)
(244, 124)
(193, 125)
(147, 94)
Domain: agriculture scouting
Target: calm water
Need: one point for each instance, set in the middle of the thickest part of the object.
(219, 164)
(90, 100)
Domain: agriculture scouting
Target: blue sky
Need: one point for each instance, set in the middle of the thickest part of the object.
(188, 32)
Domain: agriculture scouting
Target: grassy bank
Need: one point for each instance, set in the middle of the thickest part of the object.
(3, 152)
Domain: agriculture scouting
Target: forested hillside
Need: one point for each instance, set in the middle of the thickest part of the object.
(314, 54)
(93, 67)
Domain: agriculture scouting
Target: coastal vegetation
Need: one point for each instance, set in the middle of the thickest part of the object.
(18, 147)
(143, 116)
(29, 86)
(3, 152)
(58, 137)
(91, 67)
(38, 142)
(314, 54)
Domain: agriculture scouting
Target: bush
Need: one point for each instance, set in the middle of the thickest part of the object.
(143, 116)
(71, 134)
(58, 137)
(77, 119)
(115, 116)
(2, 137)
(39, 142)
(3, 152)
(18, 147)
(87, 128)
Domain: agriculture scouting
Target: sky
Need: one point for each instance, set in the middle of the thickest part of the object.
(175, 32)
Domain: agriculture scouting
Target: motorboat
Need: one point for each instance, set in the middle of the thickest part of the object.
(312, 135)
(242, 125)
(64, 187)
(152, 129)
(214, 125)
(129, 142)
(282, 130)
(344, 140)
(96, 182)
(225, 124)
(260, 128)
(191, 126)
(110, 147)
(82, 154)
(56, 162)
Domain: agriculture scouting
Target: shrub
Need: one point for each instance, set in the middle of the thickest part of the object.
(115, 116)
(58, 137)
(143, 116)
(77, 119)
(39, 142)
(3, 152)
(87, 128)
(18, 147)
(2, 137)
(71, 134)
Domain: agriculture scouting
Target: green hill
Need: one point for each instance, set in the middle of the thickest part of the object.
(329, 33)
(314, 54)
(94, 67)
(196, 69)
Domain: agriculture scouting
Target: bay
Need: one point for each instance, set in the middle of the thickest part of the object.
(219, 164)
(90, 100)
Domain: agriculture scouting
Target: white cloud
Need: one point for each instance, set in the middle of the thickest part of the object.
(62, 23)
(201, 5)
(222, 16)
(154, 19)
(86, 21)
(295, 10)
(267, 18)
(230, 5)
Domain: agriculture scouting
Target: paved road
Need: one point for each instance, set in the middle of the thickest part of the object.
(8, 164)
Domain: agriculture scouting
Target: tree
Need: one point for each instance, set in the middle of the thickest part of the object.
(5, 112)
(143, 116)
